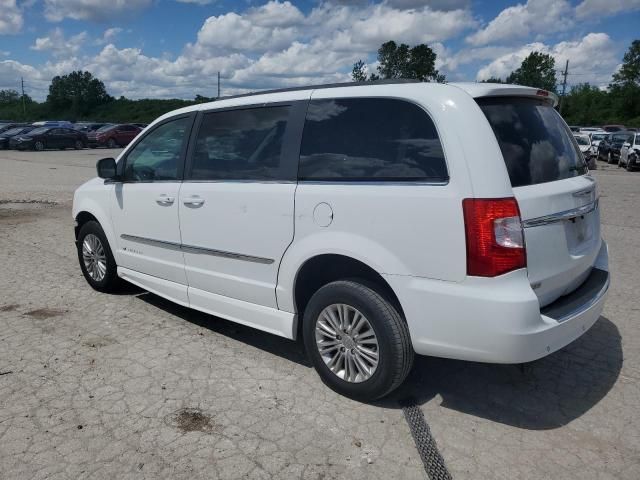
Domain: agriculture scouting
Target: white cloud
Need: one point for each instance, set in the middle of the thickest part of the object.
(11, 20)
(271, 45)
(93, 10)
(591, 59)
(536, 17)
(60, 46)
(596, 9)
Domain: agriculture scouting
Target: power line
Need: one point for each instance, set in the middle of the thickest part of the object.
(564, 85)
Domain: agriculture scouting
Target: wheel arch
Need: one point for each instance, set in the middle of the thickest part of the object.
(90, 209)
(321, 269)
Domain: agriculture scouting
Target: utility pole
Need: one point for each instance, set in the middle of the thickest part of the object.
(218, 84)
(24, 108)
(564, 84)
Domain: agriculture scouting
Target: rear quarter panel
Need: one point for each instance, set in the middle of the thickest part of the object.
(402, 229)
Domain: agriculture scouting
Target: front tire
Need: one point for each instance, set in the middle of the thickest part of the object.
(111, 143)
(79, 145)
(96, 259)
(357, 341)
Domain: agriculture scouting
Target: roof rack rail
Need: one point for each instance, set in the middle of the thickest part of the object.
(322, 86)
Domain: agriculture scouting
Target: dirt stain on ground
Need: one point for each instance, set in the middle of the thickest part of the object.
(190, 420)
(9, 308)
(15, 212)
(44, 313)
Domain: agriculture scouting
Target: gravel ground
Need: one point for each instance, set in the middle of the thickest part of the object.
(131, 386)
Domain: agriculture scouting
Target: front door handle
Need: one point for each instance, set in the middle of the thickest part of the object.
(165, 200)
(194, 201)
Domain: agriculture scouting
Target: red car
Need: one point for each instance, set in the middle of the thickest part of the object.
(113, 136)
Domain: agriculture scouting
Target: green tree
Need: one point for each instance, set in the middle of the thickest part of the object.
(359, 72)
(537, 70)
(629, 72)
(492, 80)
(76, 94)
(8, 97)
(587, 105)
(402, 61)
(624, 90)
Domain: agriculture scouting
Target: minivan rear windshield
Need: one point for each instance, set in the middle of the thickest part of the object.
(536, 144)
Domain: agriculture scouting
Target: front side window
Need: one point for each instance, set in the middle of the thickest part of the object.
(156, 157)
(370, 139)
(241, 145)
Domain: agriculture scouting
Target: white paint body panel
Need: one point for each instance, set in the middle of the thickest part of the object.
(412, 234)
(238, 217)
(136, 211)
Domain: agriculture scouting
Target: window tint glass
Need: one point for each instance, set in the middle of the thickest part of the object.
(240, 145)
(157, 155)
(370, 139)
(536, 144)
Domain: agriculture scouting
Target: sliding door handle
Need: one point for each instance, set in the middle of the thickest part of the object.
(165, 200)
(193, 201)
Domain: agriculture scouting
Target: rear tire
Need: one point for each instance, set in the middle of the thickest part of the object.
(38, 146)
(78, 145)
(391, 334)
(96, 259)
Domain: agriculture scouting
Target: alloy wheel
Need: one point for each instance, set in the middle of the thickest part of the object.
(94, 257)
(347, 343)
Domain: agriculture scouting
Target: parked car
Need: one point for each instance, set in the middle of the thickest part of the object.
(10, 126)
(53, 123)
(6, 136)
(630, 153)
(613, 145)
(596, 138)
(587, 150)
(113, 136)
(355, 217)
(613, 128)
(88, 127)
(49, 137)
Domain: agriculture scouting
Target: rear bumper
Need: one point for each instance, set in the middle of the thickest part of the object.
(497, 320)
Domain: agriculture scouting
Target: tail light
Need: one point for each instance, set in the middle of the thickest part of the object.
(495, 240)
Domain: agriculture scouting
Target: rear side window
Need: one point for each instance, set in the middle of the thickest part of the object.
(240, 145)
(536, 144)
(370, 139)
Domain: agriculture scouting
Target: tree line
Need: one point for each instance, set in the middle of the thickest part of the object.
(583, 105)
(81, 96)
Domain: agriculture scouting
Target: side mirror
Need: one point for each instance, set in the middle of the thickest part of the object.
(626, 144)
(107, 168)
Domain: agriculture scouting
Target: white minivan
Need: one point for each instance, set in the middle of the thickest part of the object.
(375, 220)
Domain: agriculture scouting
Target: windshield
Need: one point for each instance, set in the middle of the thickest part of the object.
(536, 144)
(598, 136)
(105, 128)
(40, 130)
(583, 140)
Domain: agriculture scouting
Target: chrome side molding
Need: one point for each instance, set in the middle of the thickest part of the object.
(561, 216)
(197, 250)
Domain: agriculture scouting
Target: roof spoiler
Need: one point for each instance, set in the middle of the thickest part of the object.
(477, 90)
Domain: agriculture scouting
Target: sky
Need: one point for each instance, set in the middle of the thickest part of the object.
(175, 48)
